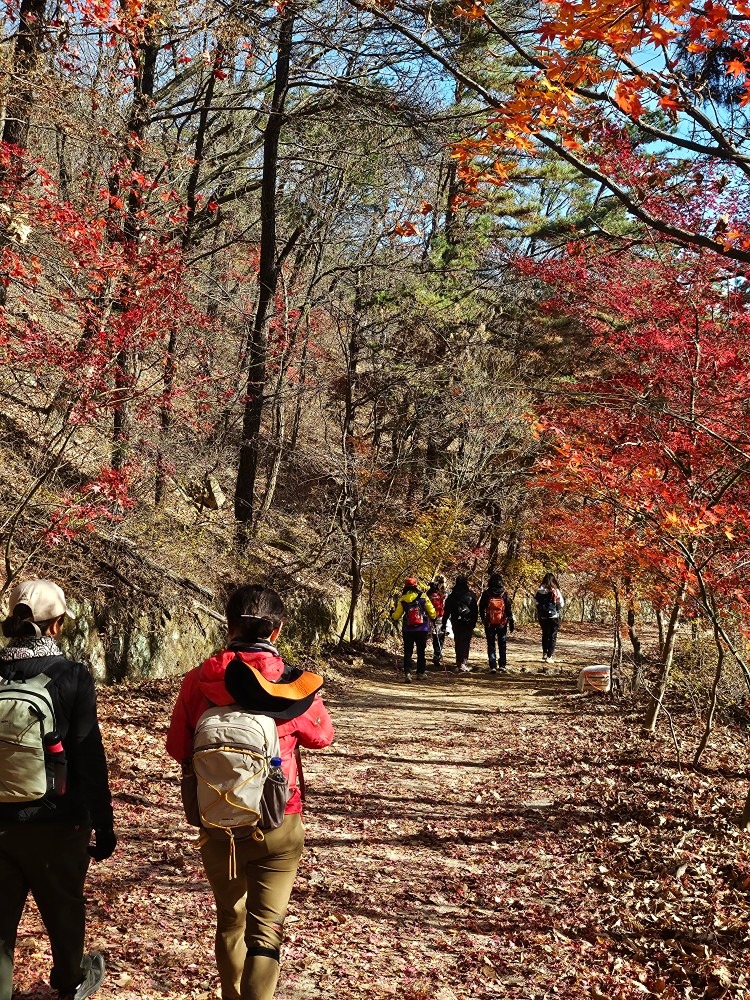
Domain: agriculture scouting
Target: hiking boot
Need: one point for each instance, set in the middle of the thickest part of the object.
(544, 657)
(465, 668)
(550, 660)
(407, 678)
(493, 670)
(420, 675)
(93, 969)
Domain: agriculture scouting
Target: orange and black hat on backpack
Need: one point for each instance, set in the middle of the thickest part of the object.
(285, 699)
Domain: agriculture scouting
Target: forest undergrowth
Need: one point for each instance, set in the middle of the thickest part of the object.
(469, 837)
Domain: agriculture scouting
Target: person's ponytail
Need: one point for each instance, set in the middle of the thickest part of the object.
(20, 624)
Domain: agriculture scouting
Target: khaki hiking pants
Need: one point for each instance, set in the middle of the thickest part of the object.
(250, 909)
(50, 861)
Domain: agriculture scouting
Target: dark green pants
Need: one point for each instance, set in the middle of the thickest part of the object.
(50, 861)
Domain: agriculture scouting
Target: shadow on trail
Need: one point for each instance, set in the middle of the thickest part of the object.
(507, 824)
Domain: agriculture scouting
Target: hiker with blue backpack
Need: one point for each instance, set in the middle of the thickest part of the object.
(496, 612)
(462, 612)
(549, 604)
(54, 789)
(236, 729)
(415, 611)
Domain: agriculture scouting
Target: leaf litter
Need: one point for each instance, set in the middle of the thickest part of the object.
(470, 837)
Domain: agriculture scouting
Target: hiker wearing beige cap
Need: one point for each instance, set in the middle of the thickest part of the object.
(236, 728)
(53, 789)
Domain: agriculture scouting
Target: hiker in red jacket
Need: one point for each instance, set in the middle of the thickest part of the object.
(436, 594)
(250, 909)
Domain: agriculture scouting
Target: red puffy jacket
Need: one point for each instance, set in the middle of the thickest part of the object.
(204, 686)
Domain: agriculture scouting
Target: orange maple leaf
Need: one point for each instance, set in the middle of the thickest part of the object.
(736, 68)
(629, 102)
(661, 35)
(669, 104)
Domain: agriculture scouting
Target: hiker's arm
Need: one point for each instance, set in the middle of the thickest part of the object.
(85, 750)
(509, 613)
(180, 734)
(447, 610)
(314, 729)
(398, 610)
(484, 600)
(430, 609)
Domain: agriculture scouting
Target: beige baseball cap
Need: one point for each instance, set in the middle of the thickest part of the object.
(45, 599)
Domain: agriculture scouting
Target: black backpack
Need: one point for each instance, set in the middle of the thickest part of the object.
(461, 614)
(548, 605)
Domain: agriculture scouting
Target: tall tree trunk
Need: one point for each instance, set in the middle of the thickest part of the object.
(713, 697)
(616, 661)
(26, 59)
(144, 54)
(635, 641)
(670, 638)
(272, 476)
(660, 627)
(350, 506)
(268, 274)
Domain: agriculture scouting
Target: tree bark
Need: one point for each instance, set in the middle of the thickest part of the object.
(635, 642)
(670, 638)
(350, 506)
(268, 274)
(616, 662)
(26, 58)
(713, 696)
(145, 55)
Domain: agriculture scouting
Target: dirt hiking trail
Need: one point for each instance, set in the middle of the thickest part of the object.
(469, 836)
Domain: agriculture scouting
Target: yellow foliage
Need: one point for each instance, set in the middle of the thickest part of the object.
(417, 548)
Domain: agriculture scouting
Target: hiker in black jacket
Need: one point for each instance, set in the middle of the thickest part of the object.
(44, 839)
(462, 612)
(496, 612)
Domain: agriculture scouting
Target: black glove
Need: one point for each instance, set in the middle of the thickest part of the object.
(104, 844)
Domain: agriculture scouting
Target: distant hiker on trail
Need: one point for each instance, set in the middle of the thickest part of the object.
(436, 595)
(53, 789)
(236, 728)
(462, 612)
(415, 612)
(549, 604)
(496, 612)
